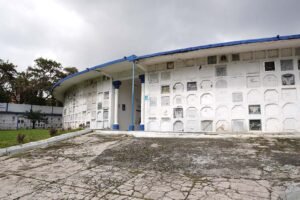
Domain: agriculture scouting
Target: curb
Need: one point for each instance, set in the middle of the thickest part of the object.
(203, 135)
(42, 143)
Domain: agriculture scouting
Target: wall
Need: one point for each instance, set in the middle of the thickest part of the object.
(125, 99)
(89, 104)
(12, 116)
(239, 93)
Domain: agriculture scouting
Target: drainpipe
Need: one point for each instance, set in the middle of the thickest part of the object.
(131, 126)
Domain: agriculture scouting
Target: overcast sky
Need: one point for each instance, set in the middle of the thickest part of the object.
(84, 33)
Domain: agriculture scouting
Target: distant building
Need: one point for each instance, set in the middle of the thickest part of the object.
(240, 86)
(12, 116)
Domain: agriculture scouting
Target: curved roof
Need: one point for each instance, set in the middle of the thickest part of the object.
(63, 84)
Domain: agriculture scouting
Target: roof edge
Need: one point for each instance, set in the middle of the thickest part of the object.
(223, 44)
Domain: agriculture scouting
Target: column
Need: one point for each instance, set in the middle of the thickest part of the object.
(116, 85)
(142, 125)
(131, 126)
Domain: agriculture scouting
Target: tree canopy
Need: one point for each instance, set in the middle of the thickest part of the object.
(32, 86)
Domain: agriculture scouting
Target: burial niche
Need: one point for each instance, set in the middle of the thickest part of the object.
(192, 113)
(206, 84)
(222, 126)
(178, 88)
(288, 79)
(192, 100)
(178, 112)
(272, 125)
(178, 126)
(206, 125)
(206, 99)
(270, 81)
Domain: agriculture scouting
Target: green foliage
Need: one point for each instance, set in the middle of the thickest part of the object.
(53, 132)
(8, 137)
(21, 138)
(34, 116)
(8, 75)
(34, 85)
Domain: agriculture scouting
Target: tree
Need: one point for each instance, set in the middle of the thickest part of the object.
(8, 75)
(43, 75)
(34, 116)
(70, 70)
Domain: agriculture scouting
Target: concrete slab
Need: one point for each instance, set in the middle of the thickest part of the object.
(94, 166)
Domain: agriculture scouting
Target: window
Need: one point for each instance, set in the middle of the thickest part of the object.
(170, 65)
(165, 89)
(191, 86)
(286, 65)
(255, 124)
(254, 109)
(221, 70)
(288, 79)
(270, 66)
(212, 59)
(235, 57)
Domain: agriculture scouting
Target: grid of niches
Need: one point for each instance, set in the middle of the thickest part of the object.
(248, 69)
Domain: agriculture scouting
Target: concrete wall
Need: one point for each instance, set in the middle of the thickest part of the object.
(259, 91)
(90, 104)
(125, 100)
(12, 116)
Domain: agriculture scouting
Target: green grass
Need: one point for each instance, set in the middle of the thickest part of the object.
(9, 137)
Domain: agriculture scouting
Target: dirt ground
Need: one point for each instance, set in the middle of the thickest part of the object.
(121, 167)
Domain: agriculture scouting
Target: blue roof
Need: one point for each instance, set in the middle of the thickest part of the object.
(183, 50)
(224, 44)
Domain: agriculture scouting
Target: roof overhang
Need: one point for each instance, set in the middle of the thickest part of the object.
(125, 64)
(221, 48)
(106, 69)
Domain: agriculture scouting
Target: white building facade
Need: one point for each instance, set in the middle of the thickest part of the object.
(12, 116)
(242, 86)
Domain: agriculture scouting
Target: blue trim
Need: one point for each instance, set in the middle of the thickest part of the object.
(183, 50)
(142, 127)
(131, 127)
(224, 44)
(87, 70)
(115, 127)
(142, 78)
(117, 84)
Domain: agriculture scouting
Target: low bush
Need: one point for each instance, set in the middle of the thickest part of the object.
(21, 138)
(52, 132)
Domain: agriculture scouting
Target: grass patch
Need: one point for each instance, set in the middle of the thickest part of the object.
(9, 137)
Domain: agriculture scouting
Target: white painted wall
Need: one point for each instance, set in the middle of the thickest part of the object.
(125, 98)
(221, 103)
(12, 116)
(89, 104)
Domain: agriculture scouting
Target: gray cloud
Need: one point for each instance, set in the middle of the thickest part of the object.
(86, 33)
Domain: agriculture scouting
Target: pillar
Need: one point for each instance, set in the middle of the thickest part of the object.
(142, 125)
(131, 126)
(116, 85)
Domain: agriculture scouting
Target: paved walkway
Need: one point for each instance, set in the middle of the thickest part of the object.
(121, 167)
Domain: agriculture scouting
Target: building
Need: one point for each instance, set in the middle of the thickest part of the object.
(12, 116)
(241, 86)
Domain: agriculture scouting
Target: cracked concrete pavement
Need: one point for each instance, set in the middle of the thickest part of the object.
(94, 166)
